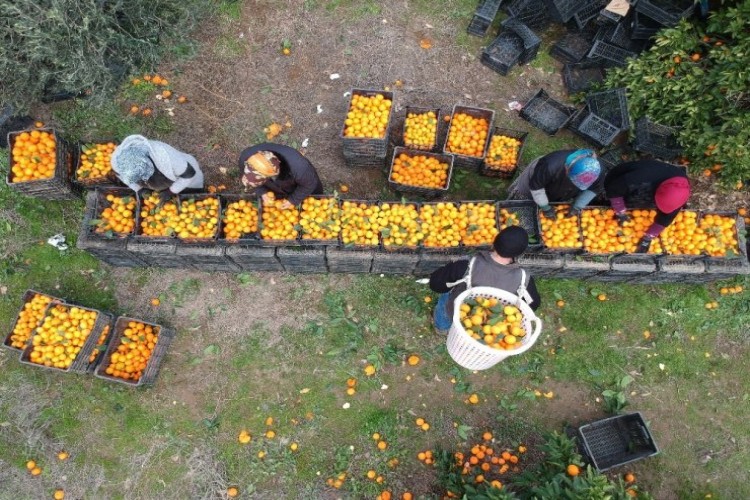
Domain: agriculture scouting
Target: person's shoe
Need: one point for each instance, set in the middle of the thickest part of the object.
(441, 332)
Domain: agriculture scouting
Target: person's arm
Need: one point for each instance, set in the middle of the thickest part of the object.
(583, 199)
(662, 219)
(307, 181)
(449, 273)
(538, 182)
(181, 183)
(536, 299)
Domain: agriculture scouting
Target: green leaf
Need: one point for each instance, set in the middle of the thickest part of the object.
(463, 431)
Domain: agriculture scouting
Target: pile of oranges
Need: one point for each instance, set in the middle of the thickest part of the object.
(320, 219)
(562, 231)
(60, 337)
(477, 223)
(420, 130)
(487, 464)
(489, 321)
(279, 223)
(603, 234)
(33, 156)
(367, 117)
(503, 153)
(683, 237)
(157, 220)
(419, 170)
(136, 346)
(359, 223)
(119, 216)
(240, 218)
(28, 319)
(95, 161)
(439, 225)
(721, 232)
(467, 135)
(399, 225)
(197, 218)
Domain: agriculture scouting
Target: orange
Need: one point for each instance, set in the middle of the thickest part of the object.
(473, 399)
(382, 445)
(182, 99)
(232, 491)
(562, 231)
(30, 315)
(59, 494)
(629, 477)
(413, 360)
(117, 217)
(244, 437)
(155, 301)
(270, 434)
(198, 218)
(31, 465)
(240, 219)
(572, 470)
(399, 225)
(36, 471)
(294, 446)
(369, 370)
(476, 223)
(279, 223)
(487, 436)
(63, 455)
(166, 94)
(359, 223)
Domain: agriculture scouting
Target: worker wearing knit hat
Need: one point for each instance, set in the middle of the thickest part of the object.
(648, 184)
(560, 176)
(275, 168)
(497, 269)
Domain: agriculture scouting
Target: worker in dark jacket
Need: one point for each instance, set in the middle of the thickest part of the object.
(276, 168)
(648, 184)
(560, 176)
(495, 269)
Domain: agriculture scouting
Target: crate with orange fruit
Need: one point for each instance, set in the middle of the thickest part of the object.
(320, 220)
(367, 123)
(94, 164)
(683, 237)
(240, 220)
(28, 318)
(477, 223)
(198, 218)
(469, 135)
(520, 213)
(40, 164)
(561, 233)
(135, 352)
(724, 233)
(279, 226)
(421, 128)
(602, 234)
(400, 227)
(420, 172)
(156, 220)
(441, 226)
(115, 213)
(65, 338)
(360, 228)
(504, 153)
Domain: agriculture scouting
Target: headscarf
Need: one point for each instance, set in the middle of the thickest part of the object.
(134, 164)
(672, 194)
(511, 242)
(259, 167)
(582, 168)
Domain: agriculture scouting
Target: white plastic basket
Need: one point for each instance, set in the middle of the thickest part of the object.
(474, 355)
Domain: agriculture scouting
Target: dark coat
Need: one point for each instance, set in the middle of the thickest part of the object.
(550, 175)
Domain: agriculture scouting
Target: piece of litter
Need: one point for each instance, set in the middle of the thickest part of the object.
(661, 366)
(382, 275)
(384, 21)
(346, 406)
(347, 94)
(223, 170)
(351, 447)
(428, 26)
(515, 105)
(334, 76)
(383, 387)
(58, 241)
(319, 109)
(304, 391)
(423, 281)
(305, 142)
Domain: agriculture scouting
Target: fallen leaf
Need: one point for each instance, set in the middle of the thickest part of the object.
(425, 43)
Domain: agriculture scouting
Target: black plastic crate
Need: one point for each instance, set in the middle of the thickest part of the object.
(81, 362)
(57, 187)
(572, 47)
(526, 212)
(619, 34)
(616, 441)
(424, 191)
(531, 41)
(546, 264)
(342, 261)
(394, 263)
(608, 17)
(364, 161)
(592, 128)
(545, 113)
(490, 171)
(27, 297)
(429, 262)
(611, 105)
(739, 231)
(611, 53)
(91, 182)
(157, 253)
(579, 78)
(426, 249)
(503, 53)
(253, 258)
(724, 269)
(584, 266)
(643, 27)
(207, 257)
(291, 242)
(416, 110)
(677, 269)
(589, 11)
(346, 224)
(613, 157)
(302, 260)
(667, 12)
(532, 13)
(658, 140)
(562, 10)
(470, 162)
(563, 250)
(252, 238)
(483, 17)
(148, 377)
(364, 146)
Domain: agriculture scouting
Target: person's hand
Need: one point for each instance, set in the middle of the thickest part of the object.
(165, 196)
(548, 211)
(644, 244)
(268, 198)
(573, 211)
(622, 218)
(285, 205)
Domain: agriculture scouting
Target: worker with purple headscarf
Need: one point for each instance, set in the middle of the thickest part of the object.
(560, 176)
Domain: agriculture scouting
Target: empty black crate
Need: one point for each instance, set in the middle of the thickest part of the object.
(531, 41)
(572, 47)
(532, 13)
(589, 11)
(563, 10)
(619, 34)
(546, 113)
(503, 53)
(658, 140)
(643, 27)
(394, 263)
(578, 78)
(612, 53)
(611, 105)
(302, 260)
(617, 441)
(483, 17)
(667, 12)
(592, 128)
(347, 261)
(253, 258)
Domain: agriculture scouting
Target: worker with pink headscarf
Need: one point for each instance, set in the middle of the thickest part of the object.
(648, 184)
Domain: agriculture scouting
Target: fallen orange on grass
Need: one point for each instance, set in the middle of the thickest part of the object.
(573, 470)
(413, 360)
